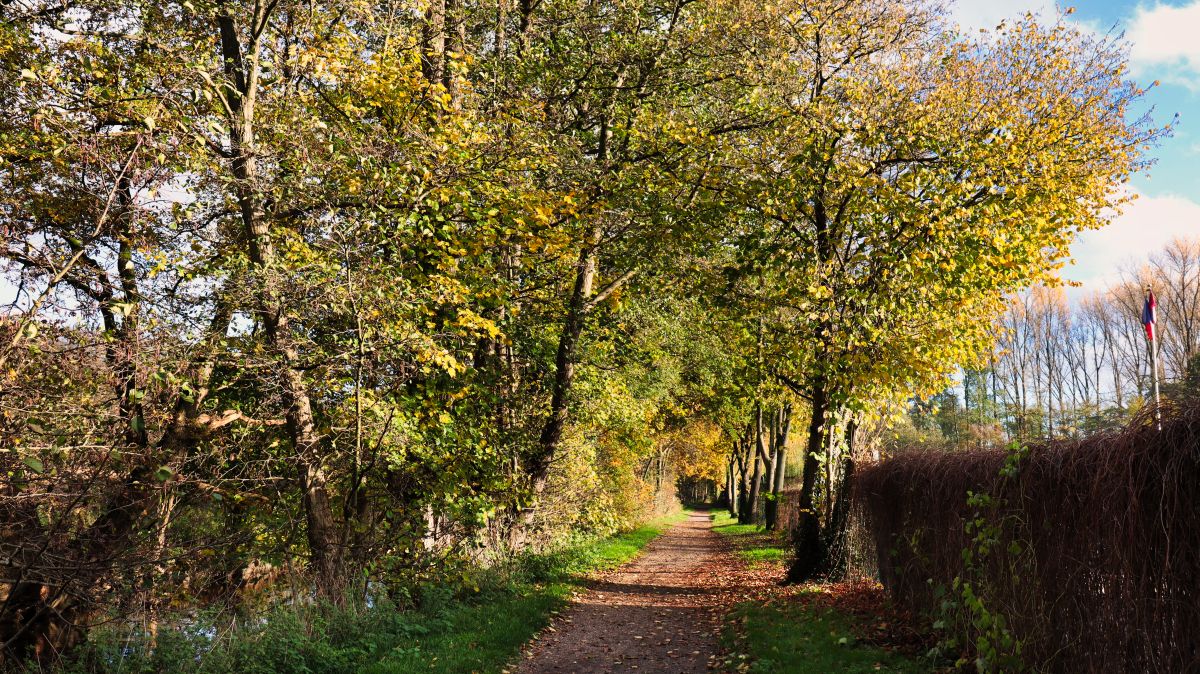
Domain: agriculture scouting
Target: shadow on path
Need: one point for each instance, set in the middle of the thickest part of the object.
(660, 613)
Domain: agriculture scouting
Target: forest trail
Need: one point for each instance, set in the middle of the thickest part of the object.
(659, 614)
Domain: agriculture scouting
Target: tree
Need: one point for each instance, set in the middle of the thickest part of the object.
(374, 289)
(896, 201)
(620, 86)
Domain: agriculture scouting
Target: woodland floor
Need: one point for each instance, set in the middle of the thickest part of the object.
(661, 613)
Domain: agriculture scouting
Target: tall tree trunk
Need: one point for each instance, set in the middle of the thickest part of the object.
(582, 301)
(744, 457)
(751, 514)
(777, 484)
(785, 426)
(456, 44)
(772, 448)
(564, 362)
(525, 31)
(242, 72)
(501, 28)
(433, 42)
(809, 548)
(759, 453)
(733, 494)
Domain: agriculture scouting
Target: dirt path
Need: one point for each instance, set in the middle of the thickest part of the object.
(660, 613)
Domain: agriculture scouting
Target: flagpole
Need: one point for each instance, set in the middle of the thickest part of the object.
(1152, 335)
(1157, 400)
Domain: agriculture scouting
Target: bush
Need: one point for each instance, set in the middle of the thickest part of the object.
(473, 620)
(308, 640)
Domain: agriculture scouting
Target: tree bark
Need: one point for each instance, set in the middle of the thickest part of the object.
(784, 421)
(433, 42)
(564, 361)
(525, 31)
(753, 513)
(733, 496)
(744, 480)
(242, 71)
(785, 426)
(771, 452)
(809, 547)
(455, 43)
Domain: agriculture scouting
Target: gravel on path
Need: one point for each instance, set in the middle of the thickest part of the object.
(659, 614)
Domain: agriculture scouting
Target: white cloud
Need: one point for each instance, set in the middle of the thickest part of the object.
(976, 14)
(1166, 43)
(1146, 226)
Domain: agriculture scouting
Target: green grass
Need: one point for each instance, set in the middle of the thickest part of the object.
(481, 630)
(485, 636)
(480, 637)
(752, 543)
(793, 638)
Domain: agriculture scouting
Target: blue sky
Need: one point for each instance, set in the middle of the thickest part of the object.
(1164, 39)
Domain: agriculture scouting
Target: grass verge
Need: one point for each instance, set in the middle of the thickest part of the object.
(484, 636)
(795, 637)
(448, 633)
(813, 629)
(749, 540)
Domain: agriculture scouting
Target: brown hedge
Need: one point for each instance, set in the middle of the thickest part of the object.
(1106, 573)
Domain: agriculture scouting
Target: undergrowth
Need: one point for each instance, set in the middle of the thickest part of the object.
(477, 626)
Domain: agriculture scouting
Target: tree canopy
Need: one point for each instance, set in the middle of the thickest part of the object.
(370, 286)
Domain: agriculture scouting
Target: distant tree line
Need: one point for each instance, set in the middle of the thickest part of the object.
(1064, 370)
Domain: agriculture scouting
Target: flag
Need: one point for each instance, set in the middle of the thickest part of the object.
(1148, 315)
